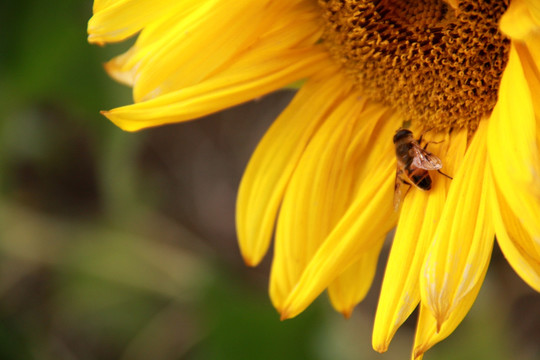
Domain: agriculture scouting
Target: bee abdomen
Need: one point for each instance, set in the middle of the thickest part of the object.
(423, 181)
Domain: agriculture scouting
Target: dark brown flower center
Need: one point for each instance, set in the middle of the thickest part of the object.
(438, 66)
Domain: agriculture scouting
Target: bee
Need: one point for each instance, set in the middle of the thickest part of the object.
(414, 163)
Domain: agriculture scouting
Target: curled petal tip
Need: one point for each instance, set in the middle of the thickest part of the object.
(380, 348)
(94, 40)
(284, 315)
(347, 313)
(418, 353)
(249, 262)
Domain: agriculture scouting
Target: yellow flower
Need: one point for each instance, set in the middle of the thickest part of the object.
(321, 182)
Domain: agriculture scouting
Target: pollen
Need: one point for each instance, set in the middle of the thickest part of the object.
(438, 66)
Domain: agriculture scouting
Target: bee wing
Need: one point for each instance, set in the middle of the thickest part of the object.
(425, 160)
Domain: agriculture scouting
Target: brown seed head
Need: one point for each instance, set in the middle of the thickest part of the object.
(438, 66)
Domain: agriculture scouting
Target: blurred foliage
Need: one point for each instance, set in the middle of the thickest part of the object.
(122, 246)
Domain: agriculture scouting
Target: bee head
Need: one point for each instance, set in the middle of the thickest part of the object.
(402, 134)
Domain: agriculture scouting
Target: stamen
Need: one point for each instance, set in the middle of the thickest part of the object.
(438, 66)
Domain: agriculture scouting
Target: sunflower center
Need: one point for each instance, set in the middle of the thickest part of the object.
(438, 66)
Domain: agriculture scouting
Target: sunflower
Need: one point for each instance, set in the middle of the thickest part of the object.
(465, 73)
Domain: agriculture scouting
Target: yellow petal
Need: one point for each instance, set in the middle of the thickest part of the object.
(400, 291)
(351, 287)
(99, 5)
(521, 19)
(366, 221)
(516, 244)
(208, 40)
(534, 9)
(463, 241)
(116, 69)
(170, 31)
(428, 330)
(116, 20)
(320, 191)
(529, 55)
(228, 89)
(206, 57)
(186, 50)
(513, 147)
(275, 159)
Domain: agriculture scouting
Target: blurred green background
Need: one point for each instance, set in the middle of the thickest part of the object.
(122, 246)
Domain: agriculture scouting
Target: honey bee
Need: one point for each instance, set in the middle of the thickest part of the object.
(413, 164)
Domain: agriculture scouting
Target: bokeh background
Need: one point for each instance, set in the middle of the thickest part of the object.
(119, 245)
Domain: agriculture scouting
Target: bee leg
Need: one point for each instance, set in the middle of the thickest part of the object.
(400, 178)
(397, 188)
(403, 181)
(430, 142)
(423, 133)
(408, 189)
(406, 182)
(448, 176)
